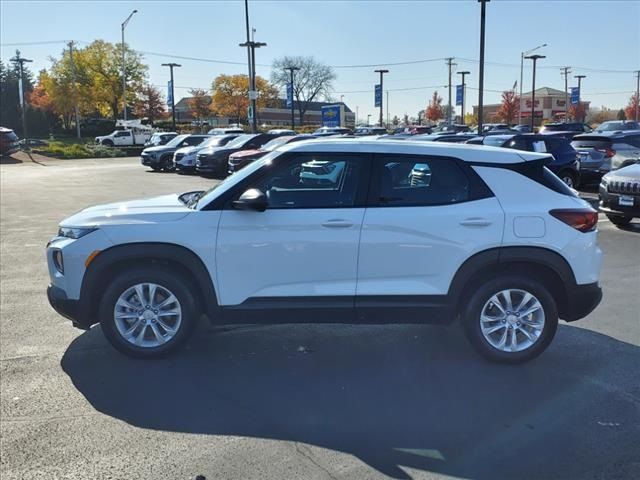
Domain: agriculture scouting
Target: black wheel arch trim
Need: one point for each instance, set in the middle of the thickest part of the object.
(152, 251)
(501, 256)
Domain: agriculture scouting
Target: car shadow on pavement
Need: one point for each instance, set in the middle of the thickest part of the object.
(8, 160)
(396, 397)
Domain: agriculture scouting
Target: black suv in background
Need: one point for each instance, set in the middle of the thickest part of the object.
(565, 159)
(161, 157)
(214, 160)
(8, 141)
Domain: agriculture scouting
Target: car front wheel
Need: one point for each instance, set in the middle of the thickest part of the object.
(511, 319)
(147, 312)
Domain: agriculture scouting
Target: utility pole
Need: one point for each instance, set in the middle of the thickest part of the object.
(173, 97)
(535, 58)
(387, 109)
(449, 110)
(580, 77)
(565, 73)
(637, 93)
(21, 61)
(75, 89)
(522, 55)
(381, 72)
(293, 118)
(464, 94)
(124, 75)
(251, 60)
(483, 4)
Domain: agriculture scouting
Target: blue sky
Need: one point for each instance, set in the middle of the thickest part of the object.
(591, 36)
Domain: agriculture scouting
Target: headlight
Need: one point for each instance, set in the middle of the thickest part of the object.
(75, 232)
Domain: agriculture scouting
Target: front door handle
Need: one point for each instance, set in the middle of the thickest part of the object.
(475, 222)
(337, 223)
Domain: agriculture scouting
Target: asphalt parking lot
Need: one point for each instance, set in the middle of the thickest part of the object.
(315, 402)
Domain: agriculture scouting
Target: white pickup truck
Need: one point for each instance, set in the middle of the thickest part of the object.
(131, 133)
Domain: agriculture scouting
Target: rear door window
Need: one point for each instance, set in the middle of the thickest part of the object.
(408, 180)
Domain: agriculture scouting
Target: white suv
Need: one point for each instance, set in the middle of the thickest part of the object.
(489, 236)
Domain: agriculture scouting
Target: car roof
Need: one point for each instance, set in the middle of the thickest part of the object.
(465, 152)
(611, 135)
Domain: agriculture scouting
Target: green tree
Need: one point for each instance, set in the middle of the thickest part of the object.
(9, 96)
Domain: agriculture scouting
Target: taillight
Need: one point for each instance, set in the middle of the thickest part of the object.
(580, 219)
(608, 152)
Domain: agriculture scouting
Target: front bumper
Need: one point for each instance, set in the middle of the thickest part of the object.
(68, 308)
(610, 204)
(212, 168)
(185, 168)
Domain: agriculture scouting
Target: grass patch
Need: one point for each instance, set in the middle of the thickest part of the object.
(65, 150)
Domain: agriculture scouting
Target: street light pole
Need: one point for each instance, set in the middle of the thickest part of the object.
(449, 107)
(124, 76)
(464, 94)
(522, 55)
(21, 61)
(293, 119)
(637, 93)
(566, 72)
(580, 77)
(253, 94)
(535, 58)
(381, 72)
(173, 97)
(483, 4)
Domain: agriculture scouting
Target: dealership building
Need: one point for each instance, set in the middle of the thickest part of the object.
(550, 105)
(278, 115)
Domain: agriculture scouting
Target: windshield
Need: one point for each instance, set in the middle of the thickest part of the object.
(176, 141)
(240, 141)
(612, 126)
(275, 143)
(212, 141)
(494, 141)
(231, 180)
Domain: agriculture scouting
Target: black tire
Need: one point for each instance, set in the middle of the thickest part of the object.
(472, 311)
(619, 220)
(107, 143)
(156, 168)
(175, 283)
(167, 163)
(569, 178)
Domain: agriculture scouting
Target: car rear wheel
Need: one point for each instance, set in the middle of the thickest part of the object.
(147, 312)
(511, 319)
(619, 220)
(569, 178)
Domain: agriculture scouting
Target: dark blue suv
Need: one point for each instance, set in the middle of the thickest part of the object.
(565, 163)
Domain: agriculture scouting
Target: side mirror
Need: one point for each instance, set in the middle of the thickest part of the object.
(252, 199)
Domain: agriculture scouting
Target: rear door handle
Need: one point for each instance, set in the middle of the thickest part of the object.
(475, 222)
(337, 223)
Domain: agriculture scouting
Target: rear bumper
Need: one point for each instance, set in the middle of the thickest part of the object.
(581, 301)
(68, 308)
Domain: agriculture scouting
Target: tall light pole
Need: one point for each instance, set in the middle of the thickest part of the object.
(293, 119)
(173, 97)
(253, 94)
(535, 58)
(483, 4)
(565, 72)
(464, 94)
(21, 61)
(580, 77)
(124, 76)
(637, 93)
(522, 55)
(449, 107)
(381, 72)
